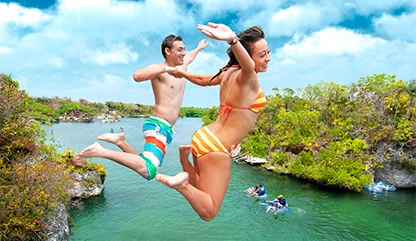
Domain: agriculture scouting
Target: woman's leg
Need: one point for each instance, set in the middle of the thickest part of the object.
(119, 140)
(130, 160)
(214, 175)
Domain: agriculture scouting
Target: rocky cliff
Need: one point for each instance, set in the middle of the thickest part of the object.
(398, 165)
(86, 185)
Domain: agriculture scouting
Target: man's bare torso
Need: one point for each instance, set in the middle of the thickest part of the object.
(168, 92)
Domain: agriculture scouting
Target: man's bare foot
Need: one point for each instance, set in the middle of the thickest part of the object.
(173, 182)
(90, 151)
(115, 138)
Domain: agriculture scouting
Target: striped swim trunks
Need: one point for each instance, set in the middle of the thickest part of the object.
(158, 133)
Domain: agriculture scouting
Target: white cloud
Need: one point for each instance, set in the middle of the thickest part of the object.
(368, 7)
(330, 41)
(5, 50)
(207, 9)
(119, 53)
(397, 27)
(95, 45)
(121, 19)
(13, 13)
(81, 4)
(300, 18)
(304, 16)
(339, 55)
(55, 62)
(80, 27)
(16, 19)
(207, 63)
(107, 83)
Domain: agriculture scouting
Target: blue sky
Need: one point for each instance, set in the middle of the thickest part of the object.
(90, 48)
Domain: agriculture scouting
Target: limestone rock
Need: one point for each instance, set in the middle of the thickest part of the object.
(397, 166)
(87, 184)
(57, 225)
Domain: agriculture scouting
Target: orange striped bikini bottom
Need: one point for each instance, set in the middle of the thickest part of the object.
(204, 141)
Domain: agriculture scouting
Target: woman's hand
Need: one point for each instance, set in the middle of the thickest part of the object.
(217, 31)
(173, 71)
(177, 72)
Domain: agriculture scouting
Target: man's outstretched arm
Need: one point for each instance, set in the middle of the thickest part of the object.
(149, 72)
(190, 56)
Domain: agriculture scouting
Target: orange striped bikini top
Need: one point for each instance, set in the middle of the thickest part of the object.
(258, 104)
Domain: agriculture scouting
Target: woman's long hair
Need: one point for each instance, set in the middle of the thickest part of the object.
(247, 38)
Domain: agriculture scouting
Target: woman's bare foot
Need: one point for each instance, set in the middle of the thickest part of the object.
(180, 180)
(115, 138)
(184, 151)
(90, 151)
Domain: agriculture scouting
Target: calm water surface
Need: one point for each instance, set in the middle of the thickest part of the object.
(131, 208)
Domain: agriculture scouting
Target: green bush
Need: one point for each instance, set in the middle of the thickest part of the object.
(33, 178)
(329, 133)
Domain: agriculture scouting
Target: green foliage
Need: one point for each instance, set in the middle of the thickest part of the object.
(29, 193)
(191, 112)
(11, 98)
(66, 158)
(209, 116)
(17, 134)
(34, 177)
(41, 112)
(69, 107)
(257, 145)
(342, 164)
(44, 109)
(329, 132)
(405, 131)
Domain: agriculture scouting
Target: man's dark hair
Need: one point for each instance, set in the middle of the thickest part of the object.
(168, 42)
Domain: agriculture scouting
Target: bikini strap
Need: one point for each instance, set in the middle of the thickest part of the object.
(224, 108)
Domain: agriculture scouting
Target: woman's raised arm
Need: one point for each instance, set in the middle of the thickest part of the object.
(223, 32)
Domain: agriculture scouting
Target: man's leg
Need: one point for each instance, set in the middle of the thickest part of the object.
(130, 160)
(119, 140)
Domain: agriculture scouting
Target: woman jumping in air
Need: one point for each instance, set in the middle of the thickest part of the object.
(205, 183)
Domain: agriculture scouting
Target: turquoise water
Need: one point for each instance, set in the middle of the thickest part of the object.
(131, 208)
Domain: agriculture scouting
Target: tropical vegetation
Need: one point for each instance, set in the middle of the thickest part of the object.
(34, 176)
(329, 132)
(45, 110)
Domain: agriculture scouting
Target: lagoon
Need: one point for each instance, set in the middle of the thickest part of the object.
(131, 208)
